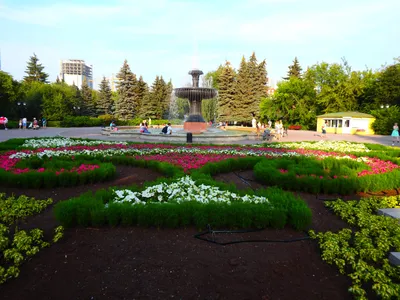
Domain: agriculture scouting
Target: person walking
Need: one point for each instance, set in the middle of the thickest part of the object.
(395, 133)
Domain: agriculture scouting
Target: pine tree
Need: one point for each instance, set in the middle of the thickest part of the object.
(142, 90)
(226, 93)
(58, 80)
(88, 106)
(167, 97)
(34, 71)
(156, 101)
(244, 94)
(104, 101)
(128, 101)
(294, 70)
(77, 101)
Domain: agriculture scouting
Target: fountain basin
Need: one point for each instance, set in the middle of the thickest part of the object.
(210, 136)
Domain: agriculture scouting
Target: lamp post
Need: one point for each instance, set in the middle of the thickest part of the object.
(22, 106)
(77, 110)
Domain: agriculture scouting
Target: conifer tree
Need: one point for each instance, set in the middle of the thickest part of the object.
(156, 99)
(128, 101)
(142, 90)
(167, 98)
(226, 93)
(294, 70)
(34, 71)
(104, 101)
(58, 80)
(244, 94)
(88, 107)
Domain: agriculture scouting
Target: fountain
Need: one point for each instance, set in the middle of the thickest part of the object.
(195, 94)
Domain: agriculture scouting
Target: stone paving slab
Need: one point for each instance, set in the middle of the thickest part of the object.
(390, 212)
(394, 258)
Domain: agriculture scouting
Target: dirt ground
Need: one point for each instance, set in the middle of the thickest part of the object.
(151, 263)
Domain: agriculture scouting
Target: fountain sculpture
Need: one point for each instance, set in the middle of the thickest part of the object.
(195, 94)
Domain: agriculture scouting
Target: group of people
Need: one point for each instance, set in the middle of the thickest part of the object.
(167, 128)
(23, 123)
(279, 130)
(34, 124)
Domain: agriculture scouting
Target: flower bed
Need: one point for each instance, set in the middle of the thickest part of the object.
(185, 202)
(190, 157)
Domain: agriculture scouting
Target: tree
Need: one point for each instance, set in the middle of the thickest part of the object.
(227, 92)
(104, 101)
(58, 80)
(34, 71)
(141, 90)
(294, 102)
(156, 99)
(214, 77)
(294, 70)
(88, 106)
(128, 102)
(9, 91)
(338, 88)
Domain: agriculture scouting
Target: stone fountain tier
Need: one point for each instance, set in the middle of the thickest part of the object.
(195, 122)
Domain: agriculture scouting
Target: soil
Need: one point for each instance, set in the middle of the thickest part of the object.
(150, 263)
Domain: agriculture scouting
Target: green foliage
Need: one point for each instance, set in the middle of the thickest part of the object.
(89, 210)
(294, 70)
(81, 121)
(292, 102)
(156, 103)
(319, 176)
(104, 102)
(385, 119)
(362, 254)
(34, 71)
(226, 93)
(48, 178)
(128, 102)
(14, 249)
(249, 89)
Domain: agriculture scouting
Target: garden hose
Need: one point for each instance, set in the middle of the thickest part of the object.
(213, 241)
(245, 180)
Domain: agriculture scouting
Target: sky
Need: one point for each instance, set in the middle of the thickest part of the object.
(168, 37)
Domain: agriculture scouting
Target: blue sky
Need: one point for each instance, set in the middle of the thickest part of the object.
(168, 37)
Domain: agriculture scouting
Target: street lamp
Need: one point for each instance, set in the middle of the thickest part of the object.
(22, 106)
(77, 110)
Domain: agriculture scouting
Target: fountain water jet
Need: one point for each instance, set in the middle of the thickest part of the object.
(195, 94)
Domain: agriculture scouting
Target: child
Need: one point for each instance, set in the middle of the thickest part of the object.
(395, 133)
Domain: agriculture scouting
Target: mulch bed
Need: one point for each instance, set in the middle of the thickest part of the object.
(150, 263)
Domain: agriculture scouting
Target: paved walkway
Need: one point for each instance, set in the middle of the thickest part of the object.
(95, 133)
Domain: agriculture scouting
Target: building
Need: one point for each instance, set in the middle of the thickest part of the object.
(74, 71)
(350, 122)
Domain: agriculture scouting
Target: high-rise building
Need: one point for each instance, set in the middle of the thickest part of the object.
(74, 71)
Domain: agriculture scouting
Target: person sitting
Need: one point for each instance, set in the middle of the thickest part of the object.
(35, 124)
(169, 129)
(164, 130)
(143, 128)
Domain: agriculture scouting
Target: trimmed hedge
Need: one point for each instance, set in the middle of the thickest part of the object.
(268, 172)
(48, 178)
(90, 210)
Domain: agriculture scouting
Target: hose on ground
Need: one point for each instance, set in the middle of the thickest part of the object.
(214, 232)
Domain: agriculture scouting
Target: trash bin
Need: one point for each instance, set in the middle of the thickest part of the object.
(189, 137)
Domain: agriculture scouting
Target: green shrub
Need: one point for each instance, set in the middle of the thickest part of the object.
(54, 124)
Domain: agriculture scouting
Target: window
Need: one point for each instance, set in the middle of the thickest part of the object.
(347, 123)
